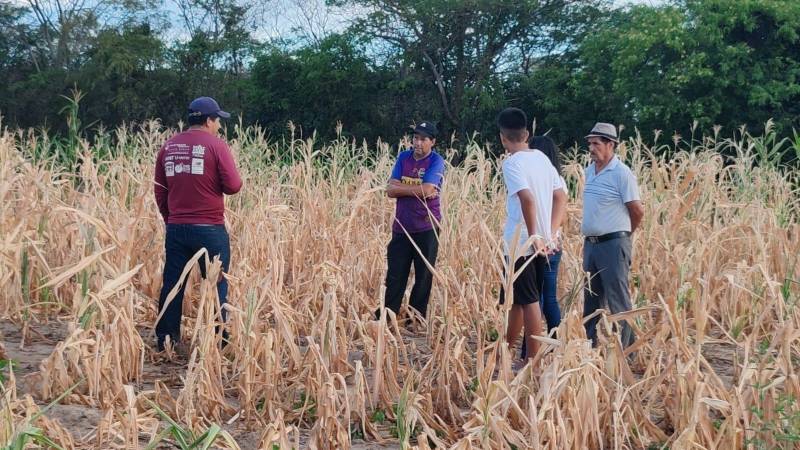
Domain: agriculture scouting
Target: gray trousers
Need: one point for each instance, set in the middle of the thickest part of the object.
(608, 264)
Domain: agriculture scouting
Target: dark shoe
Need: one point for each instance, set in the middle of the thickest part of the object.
(225, 339)
(518, 365)
(378, 315)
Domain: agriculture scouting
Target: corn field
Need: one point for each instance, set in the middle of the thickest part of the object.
(715, 285)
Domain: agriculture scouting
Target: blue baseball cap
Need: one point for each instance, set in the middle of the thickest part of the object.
(425, 128)
(206, 106)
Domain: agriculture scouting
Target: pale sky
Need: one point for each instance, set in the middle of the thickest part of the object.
(273, 19)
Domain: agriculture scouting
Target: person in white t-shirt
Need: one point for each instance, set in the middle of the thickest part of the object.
(533, 187)
(548, 276)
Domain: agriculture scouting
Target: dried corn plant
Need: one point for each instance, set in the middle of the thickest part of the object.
(124, 427)
(103, 347)
(202, 397)
(715, 284)
(23, 423)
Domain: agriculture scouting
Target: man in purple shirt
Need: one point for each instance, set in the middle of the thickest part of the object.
(415, 182)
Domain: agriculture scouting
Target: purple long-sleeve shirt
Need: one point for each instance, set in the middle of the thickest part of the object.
(413, 213)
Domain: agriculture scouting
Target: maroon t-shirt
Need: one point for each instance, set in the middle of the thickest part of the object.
(193, 171)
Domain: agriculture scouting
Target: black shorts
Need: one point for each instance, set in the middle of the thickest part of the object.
(527, 284)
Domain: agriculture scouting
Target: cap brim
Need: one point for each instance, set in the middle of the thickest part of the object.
(223, 114)
(601, 135)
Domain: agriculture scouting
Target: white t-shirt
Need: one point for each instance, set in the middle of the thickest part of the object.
(530, 170)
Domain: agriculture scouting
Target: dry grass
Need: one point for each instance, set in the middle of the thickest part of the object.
(715, 284)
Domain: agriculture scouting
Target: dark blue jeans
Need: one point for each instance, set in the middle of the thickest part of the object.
(549, 290)
(182, 242)
(547, 277)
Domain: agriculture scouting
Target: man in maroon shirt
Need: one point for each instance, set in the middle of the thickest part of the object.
(193, 171)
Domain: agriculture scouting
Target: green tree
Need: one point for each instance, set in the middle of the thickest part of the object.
(318, 86)
(753, 47)
(459, 45)
(716, 62)
(125, 78)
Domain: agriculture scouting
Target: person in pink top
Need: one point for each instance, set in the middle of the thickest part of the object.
(194, 170)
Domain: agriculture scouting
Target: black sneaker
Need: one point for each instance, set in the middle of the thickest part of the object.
(225, 339)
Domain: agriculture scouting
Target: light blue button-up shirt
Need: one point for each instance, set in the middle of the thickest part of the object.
(604, 197)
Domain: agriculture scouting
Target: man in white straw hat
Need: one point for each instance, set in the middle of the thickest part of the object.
(612, 210)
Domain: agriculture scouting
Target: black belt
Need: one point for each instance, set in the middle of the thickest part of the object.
(608, 237)
(198, 224)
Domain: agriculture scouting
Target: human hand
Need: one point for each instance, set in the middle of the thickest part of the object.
(557, 243)
(539, 246)
(432, 195)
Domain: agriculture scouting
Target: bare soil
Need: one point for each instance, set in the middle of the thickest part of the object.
(82, 420)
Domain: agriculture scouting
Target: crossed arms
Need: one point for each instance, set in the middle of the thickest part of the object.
(395, 189)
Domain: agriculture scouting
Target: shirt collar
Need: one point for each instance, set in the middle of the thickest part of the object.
(433, 150)
(613, 163)
(611, 166)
